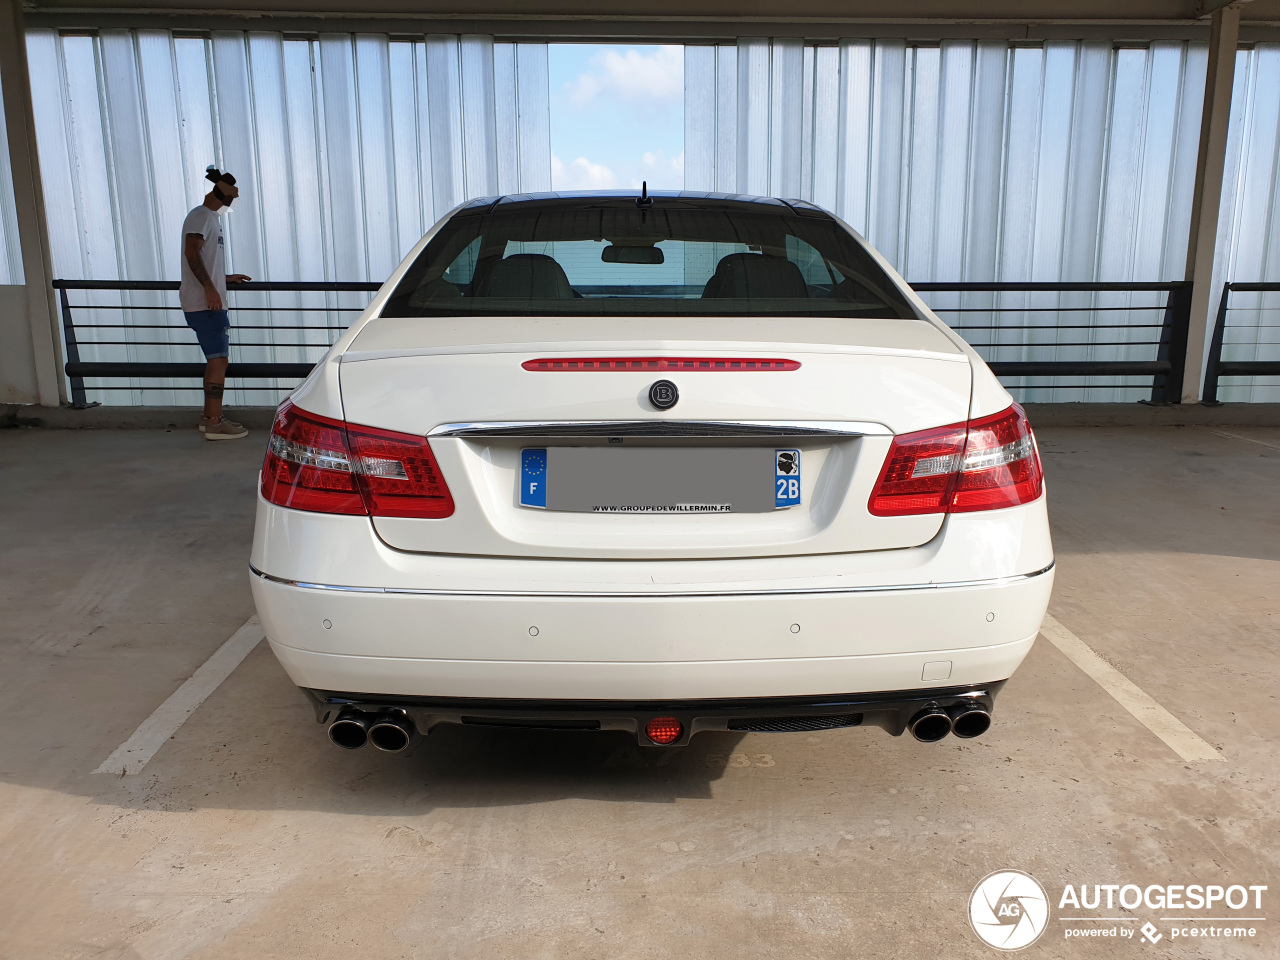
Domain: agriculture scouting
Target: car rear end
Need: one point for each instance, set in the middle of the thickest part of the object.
(701, 464)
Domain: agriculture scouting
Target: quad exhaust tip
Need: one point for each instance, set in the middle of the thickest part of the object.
(389, 732)
(969, 720)
(930, 725)
(350, 731)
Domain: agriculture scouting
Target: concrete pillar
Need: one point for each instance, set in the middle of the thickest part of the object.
(31, 369)
(1223, 41)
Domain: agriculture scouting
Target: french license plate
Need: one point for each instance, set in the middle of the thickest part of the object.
(675, 480)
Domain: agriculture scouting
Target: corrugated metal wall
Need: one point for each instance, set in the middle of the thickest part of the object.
(347, 148)
(981, 160)
(1249, 232)
(961, 161)
(10, 252)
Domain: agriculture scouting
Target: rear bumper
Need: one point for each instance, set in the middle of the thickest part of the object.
(890, 711)
(651, 648)
(344, 612)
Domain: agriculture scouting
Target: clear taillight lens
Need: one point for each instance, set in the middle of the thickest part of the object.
(985, 464)
(327, 466)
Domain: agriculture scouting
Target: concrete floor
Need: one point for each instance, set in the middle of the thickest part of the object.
(123, 567)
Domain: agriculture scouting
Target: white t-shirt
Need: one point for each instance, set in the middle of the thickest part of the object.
(191, 294)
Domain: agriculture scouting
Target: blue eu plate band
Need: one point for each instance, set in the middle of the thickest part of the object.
(533, 478)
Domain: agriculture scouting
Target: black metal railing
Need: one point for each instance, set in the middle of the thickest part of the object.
(1153, 345)
(77, 370)
(1165, 332)
(1217, 366)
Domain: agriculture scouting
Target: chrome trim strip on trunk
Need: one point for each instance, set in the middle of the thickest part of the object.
(662, 428)
(665, 594)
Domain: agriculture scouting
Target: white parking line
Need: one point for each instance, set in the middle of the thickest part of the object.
(1236, 436)
(136, 752)
(1181, 739)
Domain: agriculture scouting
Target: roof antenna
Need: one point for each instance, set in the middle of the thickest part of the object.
(644, 200)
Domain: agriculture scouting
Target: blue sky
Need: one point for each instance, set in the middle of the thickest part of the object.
(617, 116)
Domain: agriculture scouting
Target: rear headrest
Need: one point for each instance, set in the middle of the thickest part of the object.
(757, 276)
(526, 276)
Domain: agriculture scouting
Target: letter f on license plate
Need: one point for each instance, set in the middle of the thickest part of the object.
(533, 478)
(786, 478)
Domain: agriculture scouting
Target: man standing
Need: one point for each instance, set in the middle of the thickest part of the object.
(203, 295)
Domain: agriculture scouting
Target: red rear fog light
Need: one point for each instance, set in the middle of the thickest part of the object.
(664, 730)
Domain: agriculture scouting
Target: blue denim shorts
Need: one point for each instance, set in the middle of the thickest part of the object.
(212, 329)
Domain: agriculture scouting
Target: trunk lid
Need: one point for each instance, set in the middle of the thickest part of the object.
(462, 383)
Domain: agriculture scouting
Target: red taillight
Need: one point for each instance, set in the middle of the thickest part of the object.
(919, 472)
(308, 465)
(327, 466)
(663, 729)
(659, 364)
(1001, 464)
(398, 475)
(985, 464)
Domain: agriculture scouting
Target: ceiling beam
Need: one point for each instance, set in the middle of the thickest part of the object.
(976, 12)
(679, 20)
(663, 30)
(1206, 8)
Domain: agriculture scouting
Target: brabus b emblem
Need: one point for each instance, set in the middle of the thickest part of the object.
(663, 394)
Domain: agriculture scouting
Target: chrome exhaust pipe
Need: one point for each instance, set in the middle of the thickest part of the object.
(969, 720)
(350, 731)
(930, 725)
(391, 732)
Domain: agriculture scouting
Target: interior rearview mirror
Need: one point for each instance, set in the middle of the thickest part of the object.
(615, 254)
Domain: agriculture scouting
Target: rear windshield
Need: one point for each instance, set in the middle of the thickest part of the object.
(674, 257)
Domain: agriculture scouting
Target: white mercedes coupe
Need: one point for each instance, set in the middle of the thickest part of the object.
(661, 464)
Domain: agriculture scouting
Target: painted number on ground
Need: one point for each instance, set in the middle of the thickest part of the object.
(740, 760)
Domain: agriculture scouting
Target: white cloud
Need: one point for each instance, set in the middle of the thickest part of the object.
(581, 174)
(646, 79)
(662, 172)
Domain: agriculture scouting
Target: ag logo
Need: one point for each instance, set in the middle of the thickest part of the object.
(663, 394)
(1009, 910)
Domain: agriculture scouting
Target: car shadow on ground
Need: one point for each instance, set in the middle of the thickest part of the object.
(453, 767)
(597, 763)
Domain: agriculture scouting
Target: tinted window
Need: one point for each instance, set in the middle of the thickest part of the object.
(678, 256)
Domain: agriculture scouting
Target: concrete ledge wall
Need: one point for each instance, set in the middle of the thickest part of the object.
(1041, 414)
(126, 418)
